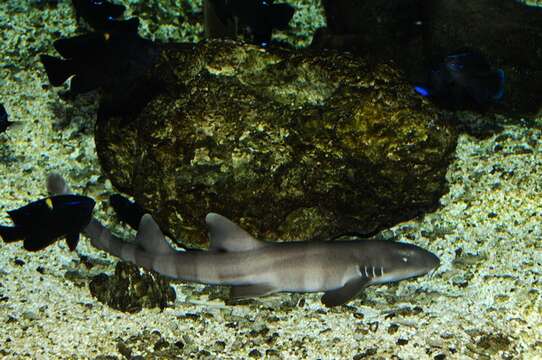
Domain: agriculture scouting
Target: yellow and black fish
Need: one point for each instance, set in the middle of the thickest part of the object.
(42, 222)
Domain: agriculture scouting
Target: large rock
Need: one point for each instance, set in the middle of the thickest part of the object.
(290, 145)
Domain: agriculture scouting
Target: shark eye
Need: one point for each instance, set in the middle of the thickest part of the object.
(405, 259)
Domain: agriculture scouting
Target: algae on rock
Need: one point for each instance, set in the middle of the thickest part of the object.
(290, 145)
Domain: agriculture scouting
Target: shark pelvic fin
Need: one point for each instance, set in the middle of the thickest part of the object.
(344, 294)
(248, 291)
(225, 235)
(150, 238)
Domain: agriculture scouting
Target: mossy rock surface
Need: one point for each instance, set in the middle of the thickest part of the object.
(290, 145)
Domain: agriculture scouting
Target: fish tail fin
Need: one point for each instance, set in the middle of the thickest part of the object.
(11, 233)
(281, 14)
(499, 94)
(58, 70)
(486, 88)
(72, 240)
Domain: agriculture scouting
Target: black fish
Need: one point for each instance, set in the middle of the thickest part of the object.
(42, 222)
(259, 17)
(101, 14)
(96, 59)
(127, 211)
(4, 122)
(464, 79)
(130, 212)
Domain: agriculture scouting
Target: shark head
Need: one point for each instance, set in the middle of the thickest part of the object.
(397, 261)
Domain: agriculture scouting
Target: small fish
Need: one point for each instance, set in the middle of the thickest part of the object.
(259, 17)
(103, 15)
(4, 122)
(41, 223)
(130, 212)
(464, 79)
(127, 211)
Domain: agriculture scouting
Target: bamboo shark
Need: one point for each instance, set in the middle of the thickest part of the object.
(256, 268)
(340, 269)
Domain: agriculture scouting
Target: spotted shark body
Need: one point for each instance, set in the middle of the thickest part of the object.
(256, 268)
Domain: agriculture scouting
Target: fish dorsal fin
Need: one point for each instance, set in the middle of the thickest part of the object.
(150, 237)
(225, 235)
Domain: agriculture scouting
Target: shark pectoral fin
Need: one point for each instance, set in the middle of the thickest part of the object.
(225, 235)
(248, 291)
(72, 240)
(343, 294)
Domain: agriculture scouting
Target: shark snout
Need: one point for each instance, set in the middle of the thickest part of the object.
(415, 261)
(427, 262)
(433, 261)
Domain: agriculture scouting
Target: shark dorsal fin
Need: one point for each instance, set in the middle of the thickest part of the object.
(150, 237)
(225, 235)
